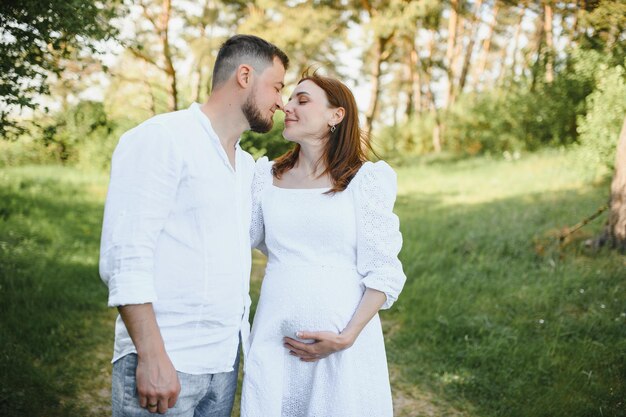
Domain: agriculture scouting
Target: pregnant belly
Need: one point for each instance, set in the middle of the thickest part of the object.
(309, 299)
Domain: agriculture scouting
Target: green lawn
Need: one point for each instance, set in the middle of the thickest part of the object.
(495, 318)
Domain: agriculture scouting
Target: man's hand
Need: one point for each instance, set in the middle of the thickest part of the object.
(157, 383)
(324, 344)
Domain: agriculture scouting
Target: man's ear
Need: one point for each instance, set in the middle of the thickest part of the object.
(337, 116)
(243, 75)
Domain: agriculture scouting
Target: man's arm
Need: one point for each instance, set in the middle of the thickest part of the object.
(157, 382)
(145, 174)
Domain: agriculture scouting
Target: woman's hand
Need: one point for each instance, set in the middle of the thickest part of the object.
(324, 344)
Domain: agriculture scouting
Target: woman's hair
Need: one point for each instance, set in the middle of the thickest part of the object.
(346, 148)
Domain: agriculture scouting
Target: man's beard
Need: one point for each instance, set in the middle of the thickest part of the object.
(253, 116)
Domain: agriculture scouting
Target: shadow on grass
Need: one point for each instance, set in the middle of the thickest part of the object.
(53, 314)
(499, 320)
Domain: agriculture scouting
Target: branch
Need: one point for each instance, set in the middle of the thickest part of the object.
(568, 231)
(146, 58)
(147, 15)
(126, 78)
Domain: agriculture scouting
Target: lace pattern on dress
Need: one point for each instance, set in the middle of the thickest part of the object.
(262, 178)
(378, 230)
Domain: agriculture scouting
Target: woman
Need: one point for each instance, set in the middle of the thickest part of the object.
(323, 215)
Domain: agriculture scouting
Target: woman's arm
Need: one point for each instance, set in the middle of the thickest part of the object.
(326, 343)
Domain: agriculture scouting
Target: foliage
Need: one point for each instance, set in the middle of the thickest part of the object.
(55, 325)
(309, 33)
(412, 137)
(511, 118)
(599, 129)
(485, 123)
(495, 315)
(25, 149)
(605, 26)
(35, 37)
(271, 144)
(493, 318)
(82, 134)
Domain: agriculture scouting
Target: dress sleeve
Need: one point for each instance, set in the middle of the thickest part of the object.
(262, 177)
(378, 231)
(145, 173)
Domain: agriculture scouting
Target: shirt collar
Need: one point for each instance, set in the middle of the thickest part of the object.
(205, 122)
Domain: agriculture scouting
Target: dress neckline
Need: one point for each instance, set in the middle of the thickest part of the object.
(319, 189)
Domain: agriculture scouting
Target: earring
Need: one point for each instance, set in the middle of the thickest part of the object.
(333, 128)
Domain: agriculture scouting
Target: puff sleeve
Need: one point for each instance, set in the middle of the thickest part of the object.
(262, 178)
(378, 230)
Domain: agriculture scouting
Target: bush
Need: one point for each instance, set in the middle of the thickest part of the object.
(25, 150)
(483, 123)
(82, 135)
(413, 137)
(599, 129)
(507, 119)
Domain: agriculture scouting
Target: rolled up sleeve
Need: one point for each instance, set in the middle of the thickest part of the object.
(145, 173)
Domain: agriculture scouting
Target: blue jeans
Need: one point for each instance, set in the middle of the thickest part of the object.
(206, 395)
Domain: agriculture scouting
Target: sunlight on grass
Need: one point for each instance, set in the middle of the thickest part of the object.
(496, 319)
(489, 317)
(481, 180)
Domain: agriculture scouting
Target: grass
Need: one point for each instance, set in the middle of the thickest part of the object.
(495, 319)
(496, 315)
(55, 326)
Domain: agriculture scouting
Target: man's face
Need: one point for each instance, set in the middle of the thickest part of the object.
(265, 98)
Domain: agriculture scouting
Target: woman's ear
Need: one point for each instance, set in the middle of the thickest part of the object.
(337, 116)
(243, 75)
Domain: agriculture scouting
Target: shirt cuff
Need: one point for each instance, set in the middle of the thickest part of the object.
(125, 289)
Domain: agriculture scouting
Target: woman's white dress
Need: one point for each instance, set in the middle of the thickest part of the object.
(323, 250)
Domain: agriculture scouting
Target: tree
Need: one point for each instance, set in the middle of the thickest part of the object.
(310, 32)
(615, 231)
(474, 25)
(486, 47)
(153, 45)
(35, 36)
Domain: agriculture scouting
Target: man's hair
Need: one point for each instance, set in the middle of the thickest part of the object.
(245, 49)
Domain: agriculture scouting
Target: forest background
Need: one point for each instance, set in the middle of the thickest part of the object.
(517, 103)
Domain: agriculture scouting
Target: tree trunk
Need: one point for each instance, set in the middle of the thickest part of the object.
(539, 34)
(416, 81)
(453, 23)
(547, 28)
(172, 100)
(408, 86)
(473, 34)
(430, 96)
(573, 31)
(379, 50)
(518, 32)
(484, 55)
(615, 231)
(414, 88)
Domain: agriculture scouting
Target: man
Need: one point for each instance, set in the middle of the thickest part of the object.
(175, 250)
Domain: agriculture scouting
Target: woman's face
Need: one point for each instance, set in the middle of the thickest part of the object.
(307, 114)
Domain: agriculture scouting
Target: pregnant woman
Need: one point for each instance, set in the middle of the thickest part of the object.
(323, 215)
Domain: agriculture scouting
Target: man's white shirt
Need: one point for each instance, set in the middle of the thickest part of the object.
(176, 234)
